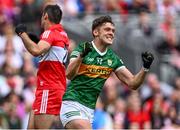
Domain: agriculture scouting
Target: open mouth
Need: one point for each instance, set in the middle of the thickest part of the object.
(110, 38)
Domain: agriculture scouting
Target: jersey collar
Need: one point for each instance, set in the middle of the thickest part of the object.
(100, 53)
(56, 27)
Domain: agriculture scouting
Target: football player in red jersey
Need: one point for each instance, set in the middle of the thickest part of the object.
(51, 79)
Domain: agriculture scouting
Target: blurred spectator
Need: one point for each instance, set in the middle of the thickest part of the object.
(74, 8)
(157, 113)
(177, 82)
(166, 6)
(175, 100)
(28, 9)
(89, 6)
(137, 6)
(153, 85)
(123, 10)
(136, 117)
(119, 114)
(15, 110)
(152, 6)
(177, 5)
(110, 94)
(3, 115)
(170, 43)
(169, 49)
(70, 8)
(142, 35)
(7, 8)
(157, 107)
(123, 7)
(171, 121)
(100, 6)
(11, 57)
(102, 119)
(144, 24)
(29, 90)
(112, 5)
(11, 48)
(10, 80)
(29, 67)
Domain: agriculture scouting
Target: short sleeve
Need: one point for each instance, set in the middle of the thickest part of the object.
(77, 51)
(47, 36)
(119, 63)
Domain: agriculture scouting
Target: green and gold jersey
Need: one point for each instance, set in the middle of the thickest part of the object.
(96, 67)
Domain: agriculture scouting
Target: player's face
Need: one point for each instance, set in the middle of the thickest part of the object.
(106, 33)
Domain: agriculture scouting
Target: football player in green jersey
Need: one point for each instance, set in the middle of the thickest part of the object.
(91, 63)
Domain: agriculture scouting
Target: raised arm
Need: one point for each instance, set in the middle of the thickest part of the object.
(73, 67)
(35, 49)
(76, 60)
(134, 81)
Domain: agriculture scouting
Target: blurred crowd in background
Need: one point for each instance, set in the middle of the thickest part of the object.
(156, 105)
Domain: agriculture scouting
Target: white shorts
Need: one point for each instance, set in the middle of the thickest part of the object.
(71, 110)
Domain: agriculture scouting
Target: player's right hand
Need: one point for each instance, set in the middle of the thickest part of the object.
(87, 47)
(147, 59)
(20, 29)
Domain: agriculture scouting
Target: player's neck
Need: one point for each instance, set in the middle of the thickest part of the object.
(101, 47)
(48, 25)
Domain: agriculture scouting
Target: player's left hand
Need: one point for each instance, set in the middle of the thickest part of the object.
(20, 29)
(87, 47)
(147, 59)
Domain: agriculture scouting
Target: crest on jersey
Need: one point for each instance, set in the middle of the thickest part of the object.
(109, 62)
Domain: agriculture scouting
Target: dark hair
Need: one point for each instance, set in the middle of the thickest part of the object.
(100, 20)
(54, 13)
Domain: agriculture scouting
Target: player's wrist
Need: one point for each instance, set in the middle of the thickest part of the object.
(80, 56)
(21, 34)
(145, 69)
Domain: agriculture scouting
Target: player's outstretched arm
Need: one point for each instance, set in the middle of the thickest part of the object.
(31, 42)
(134, 81)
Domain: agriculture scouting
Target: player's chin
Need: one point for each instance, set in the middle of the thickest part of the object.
(109, 42)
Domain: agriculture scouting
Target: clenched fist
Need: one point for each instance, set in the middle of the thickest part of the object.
(20, 29)
(87, 47)
(147, 59)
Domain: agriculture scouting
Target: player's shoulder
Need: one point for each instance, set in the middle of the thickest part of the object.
(46, 33)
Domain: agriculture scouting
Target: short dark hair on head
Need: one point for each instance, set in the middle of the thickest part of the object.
(54, 13)
(100, 20)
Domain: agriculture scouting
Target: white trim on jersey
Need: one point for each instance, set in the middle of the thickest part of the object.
(54, 54)
(44, 101)
(100, 53)
(121, 67)
(46, 34)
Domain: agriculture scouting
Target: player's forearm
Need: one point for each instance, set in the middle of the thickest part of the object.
(73, 68)
(137, 80)
(30, 45)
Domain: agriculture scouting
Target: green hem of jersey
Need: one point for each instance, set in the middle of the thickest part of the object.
(79, 102)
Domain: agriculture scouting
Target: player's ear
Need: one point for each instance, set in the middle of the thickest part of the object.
(95, 32)
(45, 16)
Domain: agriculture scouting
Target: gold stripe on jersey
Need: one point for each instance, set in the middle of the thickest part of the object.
(94, 71)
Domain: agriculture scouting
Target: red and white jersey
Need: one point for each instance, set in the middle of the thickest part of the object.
(51, 73)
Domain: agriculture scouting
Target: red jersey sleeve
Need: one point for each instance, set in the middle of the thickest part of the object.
(47, 36)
